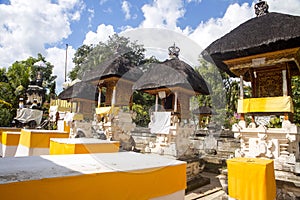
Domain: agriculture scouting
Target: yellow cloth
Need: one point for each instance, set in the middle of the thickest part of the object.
(251, 178)
(62, 105)
(39, 139)
(10, 138)
(107, 110)
(267, 104)
(138, 184)
(65, 148)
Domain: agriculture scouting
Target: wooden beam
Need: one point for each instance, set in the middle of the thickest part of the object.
(238, 65)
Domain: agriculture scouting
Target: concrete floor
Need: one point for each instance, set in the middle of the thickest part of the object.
(212, 191)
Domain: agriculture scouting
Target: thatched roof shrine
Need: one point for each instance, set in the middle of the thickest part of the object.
(267, 33)
(171, 73)
(117, 67)
(80, 90)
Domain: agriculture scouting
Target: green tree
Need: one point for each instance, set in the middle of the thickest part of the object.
(224, 93)
(89, 57)
(15, 81)
(296, 99)
(6, 93)
(141, 106)
(215, 83)
(80, 57)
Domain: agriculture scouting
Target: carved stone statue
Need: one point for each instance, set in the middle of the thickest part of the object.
(261, 8)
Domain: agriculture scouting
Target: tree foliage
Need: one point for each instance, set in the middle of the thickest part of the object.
(15, 81)
(224, 93)
(296, 98)
(89, 57)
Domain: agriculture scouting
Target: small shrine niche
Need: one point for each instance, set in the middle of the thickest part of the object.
(36, 92)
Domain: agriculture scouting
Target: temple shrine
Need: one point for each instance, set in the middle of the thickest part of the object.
(264, 51)
(173, 82)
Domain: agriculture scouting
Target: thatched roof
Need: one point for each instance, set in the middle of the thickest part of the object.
(267, 33)
(80, 90)
(171, 73)
(116, 67)
(204, 110)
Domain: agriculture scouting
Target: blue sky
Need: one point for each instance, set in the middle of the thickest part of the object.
(110, 12)
(46, 26)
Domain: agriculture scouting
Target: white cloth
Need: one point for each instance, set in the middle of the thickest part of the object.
(160, 122)
(25, 115)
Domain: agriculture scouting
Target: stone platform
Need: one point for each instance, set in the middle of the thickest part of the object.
(123, 175)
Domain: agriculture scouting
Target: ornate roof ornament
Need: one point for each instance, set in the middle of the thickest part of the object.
(174, 51)
(261, 8)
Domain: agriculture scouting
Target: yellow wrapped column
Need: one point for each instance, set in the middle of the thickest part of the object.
(251, 178)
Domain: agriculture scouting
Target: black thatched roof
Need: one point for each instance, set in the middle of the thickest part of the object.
(80, 90)
(267, 33)
(116, 67)
(204, 110)
(171, 73)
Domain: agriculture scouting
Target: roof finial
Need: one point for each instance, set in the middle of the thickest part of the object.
(174, 51)
(261, 8)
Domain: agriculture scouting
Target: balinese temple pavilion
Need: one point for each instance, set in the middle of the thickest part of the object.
(265, 51)
(173, 82)
(81, 97)
(114, 79)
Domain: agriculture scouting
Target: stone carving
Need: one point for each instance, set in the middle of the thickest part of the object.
(261, 8)
(280, 144)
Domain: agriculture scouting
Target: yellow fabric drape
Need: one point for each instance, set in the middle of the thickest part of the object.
(107, 110)
(267, 104)
(251, 178)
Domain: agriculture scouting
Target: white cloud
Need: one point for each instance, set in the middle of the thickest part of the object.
(162, 14)
(57, 57)
(27, 26)
(196, 1)
(208, 31)
(126, 9)
(236, 14)
(102, 34)
(108, 10)
(103, 2)
(91, 16)
(288, 6)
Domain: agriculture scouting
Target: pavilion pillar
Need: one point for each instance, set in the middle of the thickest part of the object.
(99, 97)
(284, 83)
(242, 122)
(175, 103)
(113, 99)
(241, 87)
(156, 102)
(284, 90)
